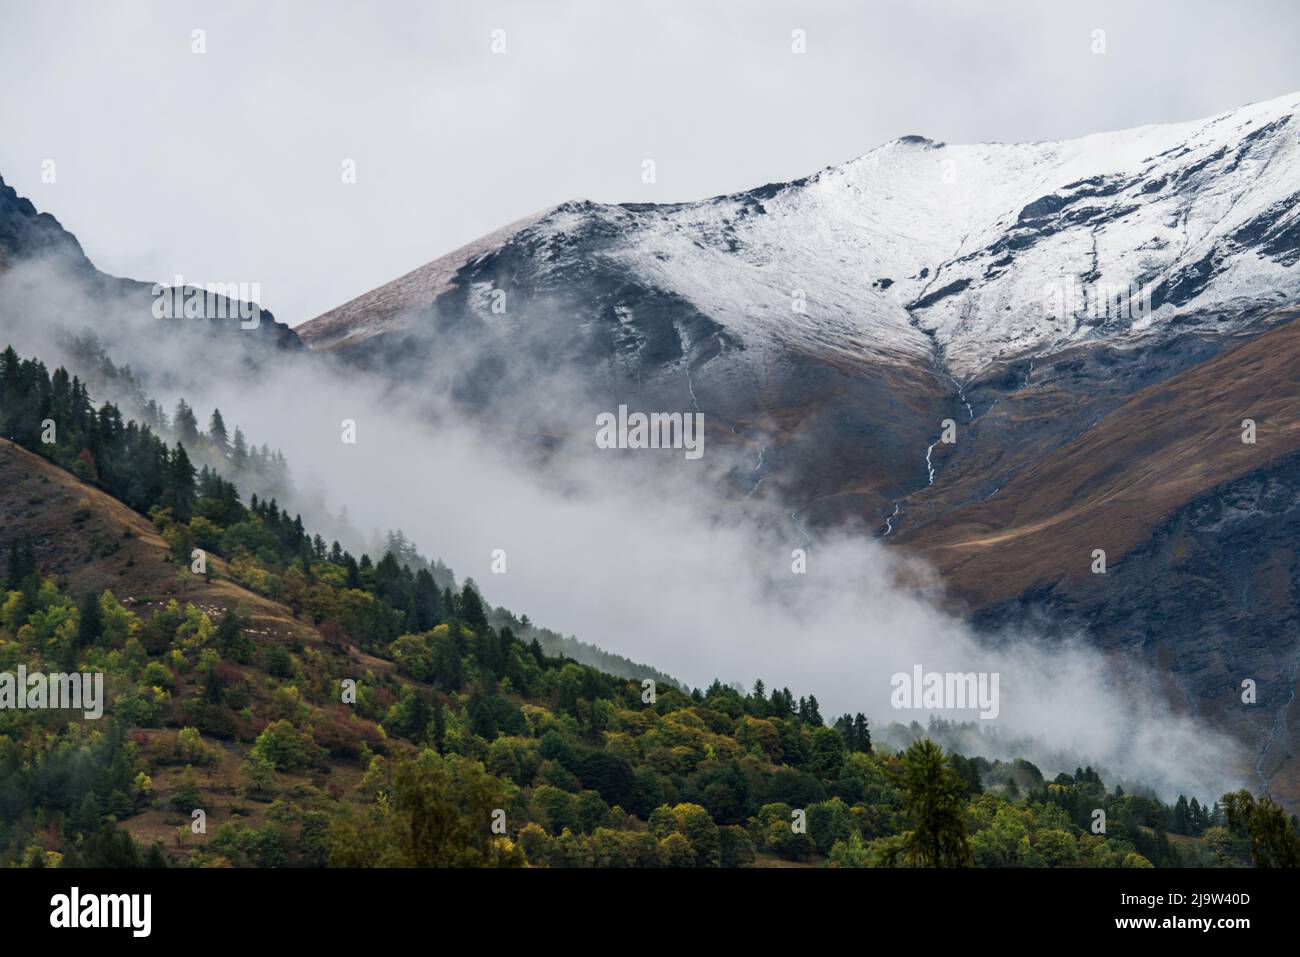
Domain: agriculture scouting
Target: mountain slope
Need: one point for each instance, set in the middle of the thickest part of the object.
(919, 241)
(90, 542)
(589, 773)
(828, 325)
(1108, 487)
(1198, 527)
(80, 534)
(1094, 318)
(62, 278)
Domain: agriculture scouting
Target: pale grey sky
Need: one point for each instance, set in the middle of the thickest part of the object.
(225, 166)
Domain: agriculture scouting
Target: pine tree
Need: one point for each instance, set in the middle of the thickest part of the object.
(22, 562)
(185, 424)
(428, 601)
(180, 484)
(155, 416)
(239, 452)
(89, 622)
(1273, 840)
(932, 800)
(861, 734)
(211, 685)
(471, 608)
(217, 433)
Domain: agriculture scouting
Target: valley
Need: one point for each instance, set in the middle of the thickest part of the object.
(1054, 355)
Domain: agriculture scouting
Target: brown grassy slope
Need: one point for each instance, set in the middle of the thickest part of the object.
(79, 536)
(40, 501)
(1110, 486)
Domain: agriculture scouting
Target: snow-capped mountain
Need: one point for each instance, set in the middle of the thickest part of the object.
(831, 327)
(1096, 316)
(916, 249)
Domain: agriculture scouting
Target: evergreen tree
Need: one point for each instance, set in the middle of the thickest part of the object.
(22, 562)
(932, 799)
(239, 452)
(231, 639)
(211, 685)
(180, 484)
(428, 601)
(471, 608)
(1273, 841)
(185, 424)
(89, 622)
(782, 703)
(217, 433)
(482, 721)
(861, 734)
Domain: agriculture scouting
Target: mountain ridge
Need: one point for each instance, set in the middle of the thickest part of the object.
(28, 235)
(714, 253)
(908, 322)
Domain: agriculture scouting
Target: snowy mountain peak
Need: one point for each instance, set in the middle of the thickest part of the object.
(921, 250)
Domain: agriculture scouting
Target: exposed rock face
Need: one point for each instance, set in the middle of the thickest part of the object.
(913, 251)
(29, 236)
(1094, 317)
(830, 324)
(1210, 598)
(25, 232)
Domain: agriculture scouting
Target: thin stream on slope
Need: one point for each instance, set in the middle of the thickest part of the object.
(758, 467)
(929, 451)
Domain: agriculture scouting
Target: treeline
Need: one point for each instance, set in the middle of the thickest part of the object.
(471, 745)
(258, 468)
(584, 769)
(580, 768)
(131, 461)
(54, 416)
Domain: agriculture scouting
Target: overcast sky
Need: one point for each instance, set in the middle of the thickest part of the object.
(225, 166)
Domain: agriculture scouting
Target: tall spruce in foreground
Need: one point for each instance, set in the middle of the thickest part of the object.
(933, 800)
(1273, 838)
(218, 434)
